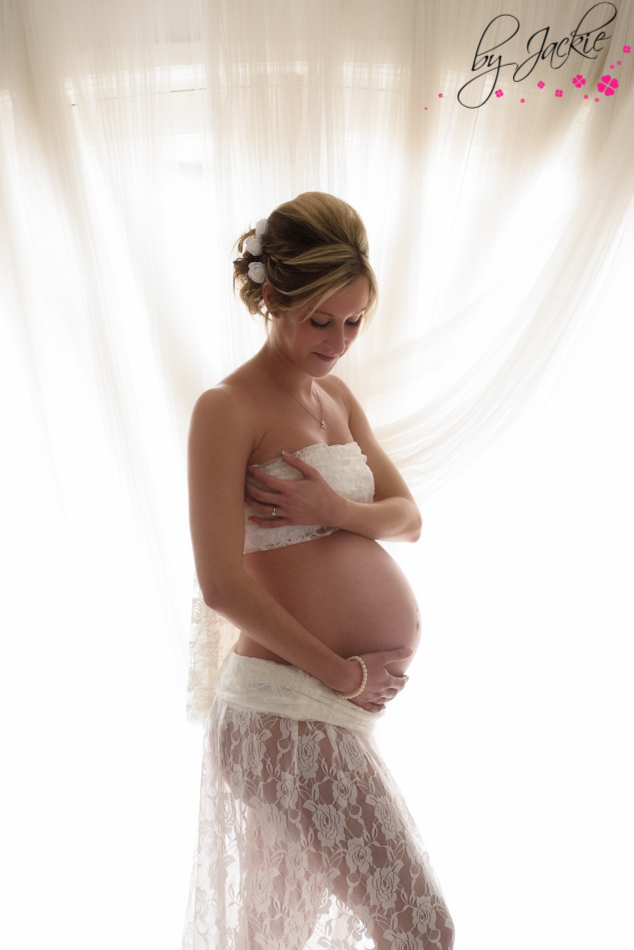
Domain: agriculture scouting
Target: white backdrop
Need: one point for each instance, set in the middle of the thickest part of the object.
(512, 741)
(138, 139)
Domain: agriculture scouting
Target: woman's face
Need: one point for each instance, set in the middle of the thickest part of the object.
(314, 345)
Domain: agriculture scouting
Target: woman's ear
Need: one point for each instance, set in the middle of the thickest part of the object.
(268, 296)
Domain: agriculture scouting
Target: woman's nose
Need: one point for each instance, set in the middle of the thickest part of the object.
(337, 341)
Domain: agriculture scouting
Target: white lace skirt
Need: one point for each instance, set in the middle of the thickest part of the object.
(304, 839)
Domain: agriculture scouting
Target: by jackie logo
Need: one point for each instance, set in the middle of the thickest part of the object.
(586, 40)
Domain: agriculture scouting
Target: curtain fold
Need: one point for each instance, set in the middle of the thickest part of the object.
(140, 138)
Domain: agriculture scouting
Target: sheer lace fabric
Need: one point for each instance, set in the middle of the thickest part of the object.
(304, 839)
(345, 468)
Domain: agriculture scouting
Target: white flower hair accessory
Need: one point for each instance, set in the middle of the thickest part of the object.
(257, 272)
(253, 245)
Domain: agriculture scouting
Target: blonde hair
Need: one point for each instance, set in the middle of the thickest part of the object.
(313, 246)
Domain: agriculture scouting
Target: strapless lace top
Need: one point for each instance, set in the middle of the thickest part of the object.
(344, 467)
(212, 636)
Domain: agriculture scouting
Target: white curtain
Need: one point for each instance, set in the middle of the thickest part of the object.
(140, 137)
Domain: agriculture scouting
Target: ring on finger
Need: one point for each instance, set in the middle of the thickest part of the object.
(273, 515)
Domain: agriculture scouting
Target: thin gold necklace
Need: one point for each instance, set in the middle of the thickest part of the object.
(322, 421)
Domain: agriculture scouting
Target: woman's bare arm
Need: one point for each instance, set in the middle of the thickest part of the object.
(393, 515)
(221, 439)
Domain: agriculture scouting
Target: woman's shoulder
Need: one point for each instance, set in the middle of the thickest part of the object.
(226, 404)
(223, 397)
(332, 385)
(230, 411)
(335, 387)
(234, 393)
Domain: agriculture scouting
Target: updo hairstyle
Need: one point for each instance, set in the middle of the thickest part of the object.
(313, 247)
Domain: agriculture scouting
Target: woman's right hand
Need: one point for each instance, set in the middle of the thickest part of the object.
(382, 686)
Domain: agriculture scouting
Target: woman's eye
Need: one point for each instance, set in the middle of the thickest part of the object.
(350, 323)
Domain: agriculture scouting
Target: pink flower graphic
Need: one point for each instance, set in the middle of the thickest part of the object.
(596, 100)
(607, 85)
(627, 49)
(618, 62)
(585, 97)
(541, 84)
(499, 93)
(522, 100)
(559, 92)
(579, 81)
(440, 95)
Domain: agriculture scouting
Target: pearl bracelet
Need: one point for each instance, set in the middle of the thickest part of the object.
(363, 681)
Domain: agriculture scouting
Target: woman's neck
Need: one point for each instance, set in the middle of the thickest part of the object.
(284, 373)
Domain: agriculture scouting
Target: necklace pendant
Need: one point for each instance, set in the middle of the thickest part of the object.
(323, 424)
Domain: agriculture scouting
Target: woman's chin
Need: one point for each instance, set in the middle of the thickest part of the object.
(320, 366)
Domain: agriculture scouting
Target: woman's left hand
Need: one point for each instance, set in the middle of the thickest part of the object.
(309, 500)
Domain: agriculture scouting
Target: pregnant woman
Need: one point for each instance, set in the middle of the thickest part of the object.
(304, 625)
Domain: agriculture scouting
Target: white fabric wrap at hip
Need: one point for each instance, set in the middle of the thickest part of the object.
(263, 686)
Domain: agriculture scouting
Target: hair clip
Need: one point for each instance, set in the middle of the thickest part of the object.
(257, 272)
(253, 245)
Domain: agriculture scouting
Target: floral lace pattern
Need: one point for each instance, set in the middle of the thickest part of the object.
(345, 469)
(305, 842)
(210, 640)
(212, 636)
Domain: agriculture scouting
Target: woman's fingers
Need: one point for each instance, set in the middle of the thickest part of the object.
(265, 479)
(308, 471)
(398, 682)
(370, 707)
(260, 493)
(396, 685)
(391, 692)
(269, 522)
(301, 466)
(266, 522)
(264, 507)
(401, 653)
(382, 686)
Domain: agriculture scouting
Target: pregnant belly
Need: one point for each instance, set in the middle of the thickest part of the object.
(345, 589)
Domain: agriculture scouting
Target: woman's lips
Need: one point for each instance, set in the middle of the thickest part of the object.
(326, 359)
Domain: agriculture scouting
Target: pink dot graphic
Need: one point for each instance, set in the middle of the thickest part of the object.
(440, 95)
(585, 97)
(559, 93)
(618, 62)
(522, 100)
(499, 93)
(596, 100)
(541, 84)
(607, 86)
(578, 81)
(627, 49)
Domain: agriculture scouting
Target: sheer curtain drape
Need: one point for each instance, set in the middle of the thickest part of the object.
(138, 138)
